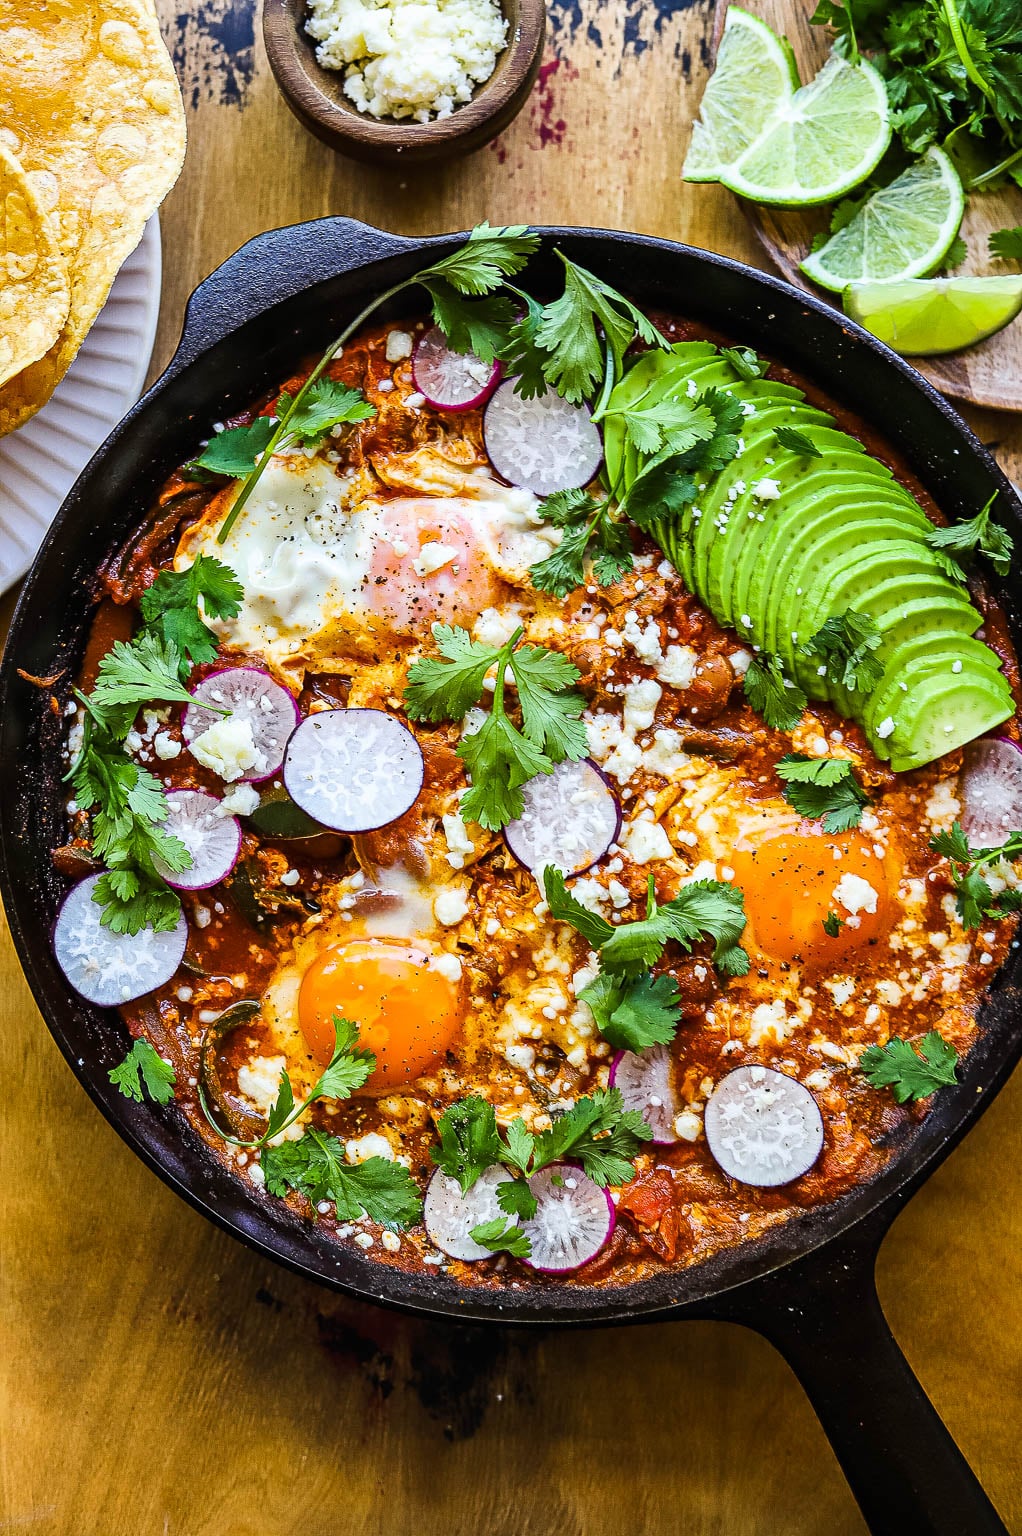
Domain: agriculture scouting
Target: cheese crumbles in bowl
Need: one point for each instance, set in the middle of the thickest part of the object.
(544, 801)
(408, 59)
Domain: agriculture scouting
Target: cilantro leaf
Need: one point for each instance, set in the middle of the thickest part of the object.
(832, 924)
(501, 1236)
(144, 1065)
(797, 442)
(976, 535)
(236, 451)
(325, 404)
(141, 671)
(1006, 244)
(515, 1198)
(348, 1068)
(520, 351)
(490, 254)
(910, 1073)
(633, 1015)
(566, 908)
(745, 362)
(482, 326)
(845, 645)
(823, 787)
(170, 608)
(499, 757)
(316, 1167)
(469, 1141)
(956, 253)
(772, 695)
(662, 488)
(676, 424)
(572, 331)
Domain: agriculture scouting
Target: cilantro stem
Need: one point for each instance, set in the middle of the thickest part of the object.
(962, 49)
(609, 379)
(331, 352)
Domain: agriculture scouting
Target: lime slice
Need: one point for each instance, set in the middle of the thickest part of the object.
(923, 316)
(904, 230)
(820, 144)
(753, 76)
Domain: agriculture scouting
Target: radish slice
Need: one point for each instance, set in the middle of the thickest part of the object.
(252, 697)
(573, 1221)
(763, 1127)
(449, 1215)
(111, 968)
(992, 791)
(571, 818)
(543, 444)
(645, 1080)
(451, 381)
(353, 769)
(212, 838)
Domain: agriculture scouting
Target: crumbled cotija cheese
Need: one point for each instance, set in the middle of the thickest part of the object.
(408, 58)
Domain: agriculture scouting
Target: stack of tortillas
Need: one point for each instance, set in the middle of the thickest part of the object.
(92, 138)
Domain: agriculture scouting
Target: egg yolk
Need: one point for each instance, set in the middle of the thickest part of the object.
(789, 878)
(408, 1014)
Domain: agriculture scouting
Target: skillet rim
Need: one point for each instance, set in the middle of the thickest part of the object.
(159, 1138)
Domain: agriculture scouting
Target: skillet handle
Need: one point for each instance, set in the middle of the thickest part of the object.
(275, 266)
(904, 1468)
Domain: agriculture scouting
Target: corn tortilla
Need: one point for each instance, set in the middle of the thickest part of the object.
(34, 294)
(94, 114)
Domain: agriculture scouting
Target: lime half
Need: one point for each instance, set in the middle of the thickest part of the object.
(753, 76)
(904, 230)
(924, 316)
(823, 142)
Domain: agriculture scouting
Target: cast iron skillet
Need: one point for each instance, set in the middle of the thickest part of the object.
(809, 1286)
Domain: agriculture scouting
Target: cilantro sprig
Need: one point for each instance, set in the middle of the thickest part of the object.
(772, 694)
(823, 788)
(499, 756)
(592, 534)
(597, 1132)
(127, 804)
(911, 1073)
(959, 543)
(632, 1009)
(299, 422)
(316, 1167)
(845, 644)
(350, 1066)
(143, 1066)
(974, 898)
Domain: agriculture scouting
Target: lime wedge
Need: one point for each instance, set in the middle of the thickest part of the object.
(753, 76)
(904, 230)
(923, 316)
(823, 142)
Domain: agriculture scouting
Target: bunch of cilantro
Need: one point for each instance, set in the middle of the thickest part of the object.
(126, 802)
(953, 71)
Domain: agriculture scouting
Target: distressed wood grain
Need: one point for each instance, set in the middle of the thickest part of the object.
(157, 1379)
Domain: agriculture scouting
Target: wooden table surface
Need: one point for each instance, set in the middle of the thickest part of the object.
(158, 1379)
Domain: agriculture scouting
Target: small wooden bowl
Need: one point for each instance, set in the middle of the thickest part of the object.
(316, 96)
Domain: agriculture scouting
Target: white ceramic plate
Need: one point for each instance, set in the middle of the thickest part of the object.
(42, 460)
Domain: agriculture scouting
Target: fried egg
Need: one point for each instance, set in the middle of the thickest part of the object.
(330, 571)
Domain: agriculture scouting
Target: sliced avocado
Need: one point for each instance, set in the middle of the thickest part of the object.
(777, 564)
(944, 712)
(852, 579)
(658, 373)
(883, 600)
(927, 656)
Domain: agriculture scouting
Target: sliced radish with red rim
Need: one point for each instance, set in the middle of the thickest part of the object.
(544, 444)
(571, 818)
(763, 1127)
(110, 968)
(251, 696)
(211, 836)
(991, 791)
(450, 1216)
(451, 381)
(645, 1080)
(574, 1219)
(353, 770)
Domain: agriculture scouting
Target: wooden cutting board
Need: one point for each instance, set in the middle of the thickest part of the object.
(989, 374)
